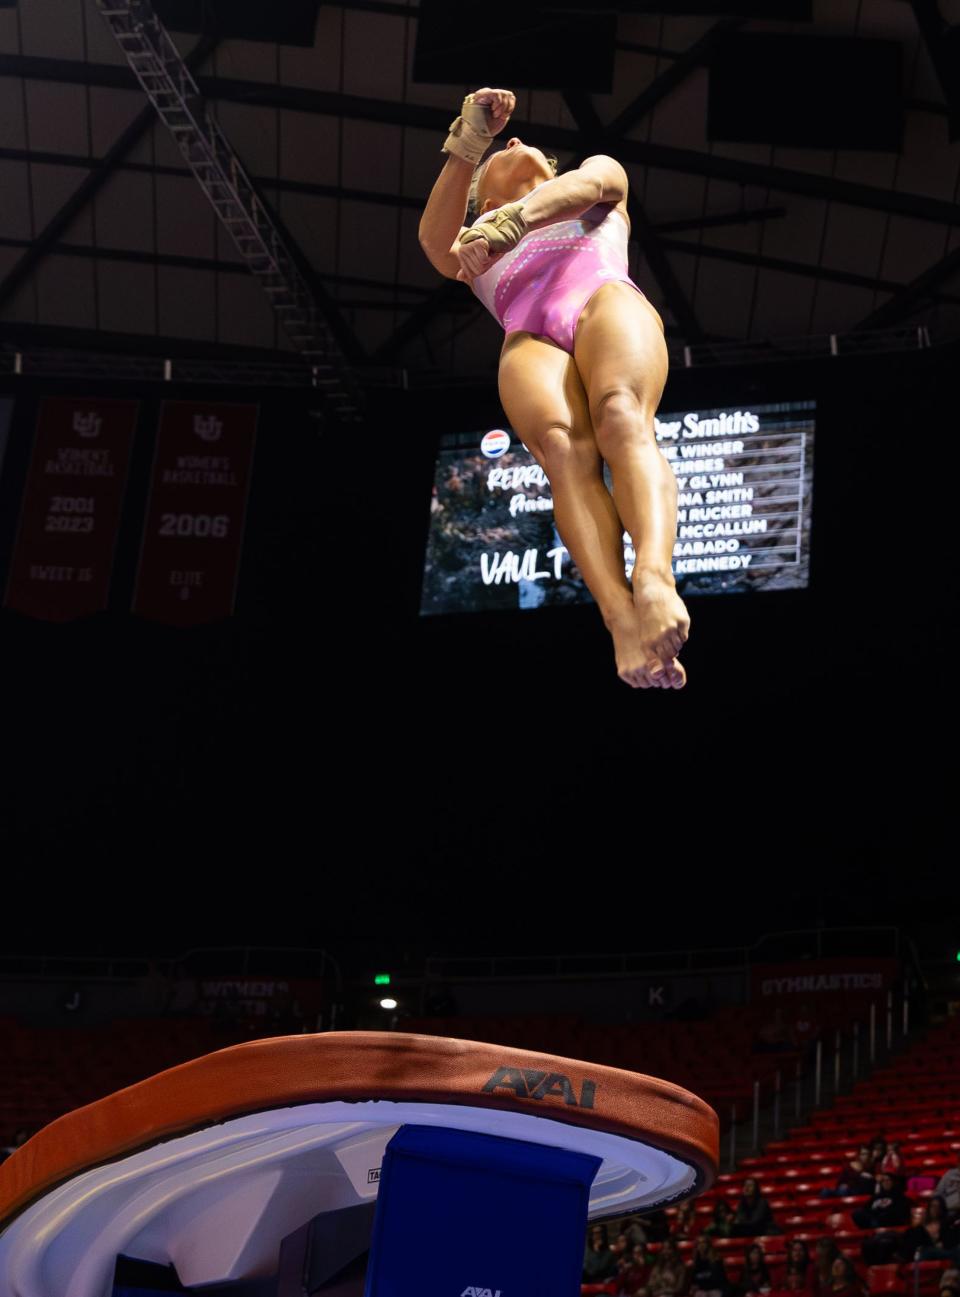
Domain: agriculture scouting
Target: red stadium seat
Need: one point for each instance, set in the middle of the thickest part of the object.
(927, 1273)
(839, 1221)
(884, 1279)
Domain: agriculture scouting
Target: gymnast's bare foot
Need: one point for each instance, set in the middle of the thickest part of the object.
(664, 625)
(636, 665)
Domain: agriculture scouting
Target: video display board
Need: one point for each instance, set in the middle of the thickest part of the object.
(744, 511)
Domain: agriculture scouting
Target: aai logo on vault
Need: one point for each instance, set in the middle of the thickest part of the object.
(495, 443)
(527, 1083)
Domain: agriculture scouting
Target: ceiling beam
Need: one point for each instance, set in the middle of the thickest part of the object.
(907, 296)
(931, 24)
(87, 162)
(96, 252)
(661, 157)
(806, 270)
(446, 297)
(737, 216)
(378, 198)
(90, 185)
(668, 80)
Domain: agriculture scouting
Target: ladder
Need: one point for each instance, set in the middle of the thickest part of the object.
(168, 84)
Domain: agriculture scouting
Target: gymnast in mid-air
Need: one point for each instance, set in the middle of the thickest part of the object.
(583, 364)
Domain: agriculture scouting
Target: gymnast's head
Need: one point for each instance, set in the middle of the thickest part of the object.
(505, 176)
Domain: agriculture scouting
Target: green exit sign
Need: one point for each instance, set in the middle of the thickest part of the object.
(381, 979)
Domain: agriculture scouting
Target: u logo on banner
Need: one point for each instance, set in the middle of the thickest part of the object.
(87, 425)
(208, 427)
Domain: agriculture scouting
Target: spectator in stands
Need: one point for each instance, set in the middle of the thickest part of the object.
(620, 1247)
(936, 1209)
(878, 1151)
(798, 1263)
(755, 1276)
(668, 1278)
(856, 1178)
(891, 1161)
(948, 1187)
(708, 1278)
(950, 1283)
(796, 1282)
(685, 1222)
(844, 1280)
(824, 1256)
(599, 1261)
(722, 1224)
(888, 1208)
(932, 1234)
(633, 1271)
(632, 1226)
(753, 1215)
(941, 1243)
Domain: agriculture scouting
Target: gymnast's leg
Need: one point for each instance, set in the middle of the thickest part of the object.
(621, 355)
(546, 405)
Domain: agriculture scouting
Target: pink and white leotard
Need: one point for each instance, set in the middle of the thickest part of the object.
(543, 284)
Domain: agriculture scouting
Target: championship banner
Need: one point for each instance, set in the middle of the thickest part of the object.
(70, 516)
(190, 561)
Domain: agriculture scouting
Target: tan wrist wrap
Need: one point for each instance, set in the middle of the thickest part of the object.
(470, 133)
(503, 228)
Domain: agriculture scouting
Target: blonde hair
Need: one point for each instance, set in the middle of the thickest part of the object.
(473, 206)
(473, 196)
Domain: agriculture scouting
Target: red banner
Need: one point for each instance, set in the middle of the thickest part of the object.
(71, 508)
(190, 561)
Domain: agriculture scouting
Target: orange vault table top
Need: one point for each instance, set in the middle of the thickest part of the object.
(209, 1165)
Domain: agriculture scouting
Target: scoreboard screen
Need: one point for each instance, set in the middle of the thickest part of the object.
(745, 497)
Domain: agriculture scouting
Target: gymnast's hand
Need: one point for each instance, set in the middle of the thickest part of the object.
(499, 104)
(474, 257)
(482, 115)
(497, 232)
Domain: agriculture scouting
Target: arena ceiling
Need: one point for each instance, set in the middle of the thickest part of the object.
(105, 234)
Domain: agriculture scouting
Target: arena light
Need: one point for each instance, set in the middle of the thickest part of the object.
(388, 1004)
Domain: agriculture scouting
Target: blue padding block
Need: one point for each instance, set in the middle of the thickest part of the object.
(461, 1214)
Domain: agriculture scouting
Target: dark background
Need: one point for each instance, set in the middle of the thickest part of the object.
(326, 766)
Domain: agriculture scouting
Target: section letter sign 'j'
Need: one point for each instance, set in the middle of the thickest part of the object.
(190, 561)
(71, 507)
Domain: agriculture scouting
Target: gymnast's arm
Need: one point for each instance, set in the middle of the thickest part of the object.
(442, 221)
(599, 179)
